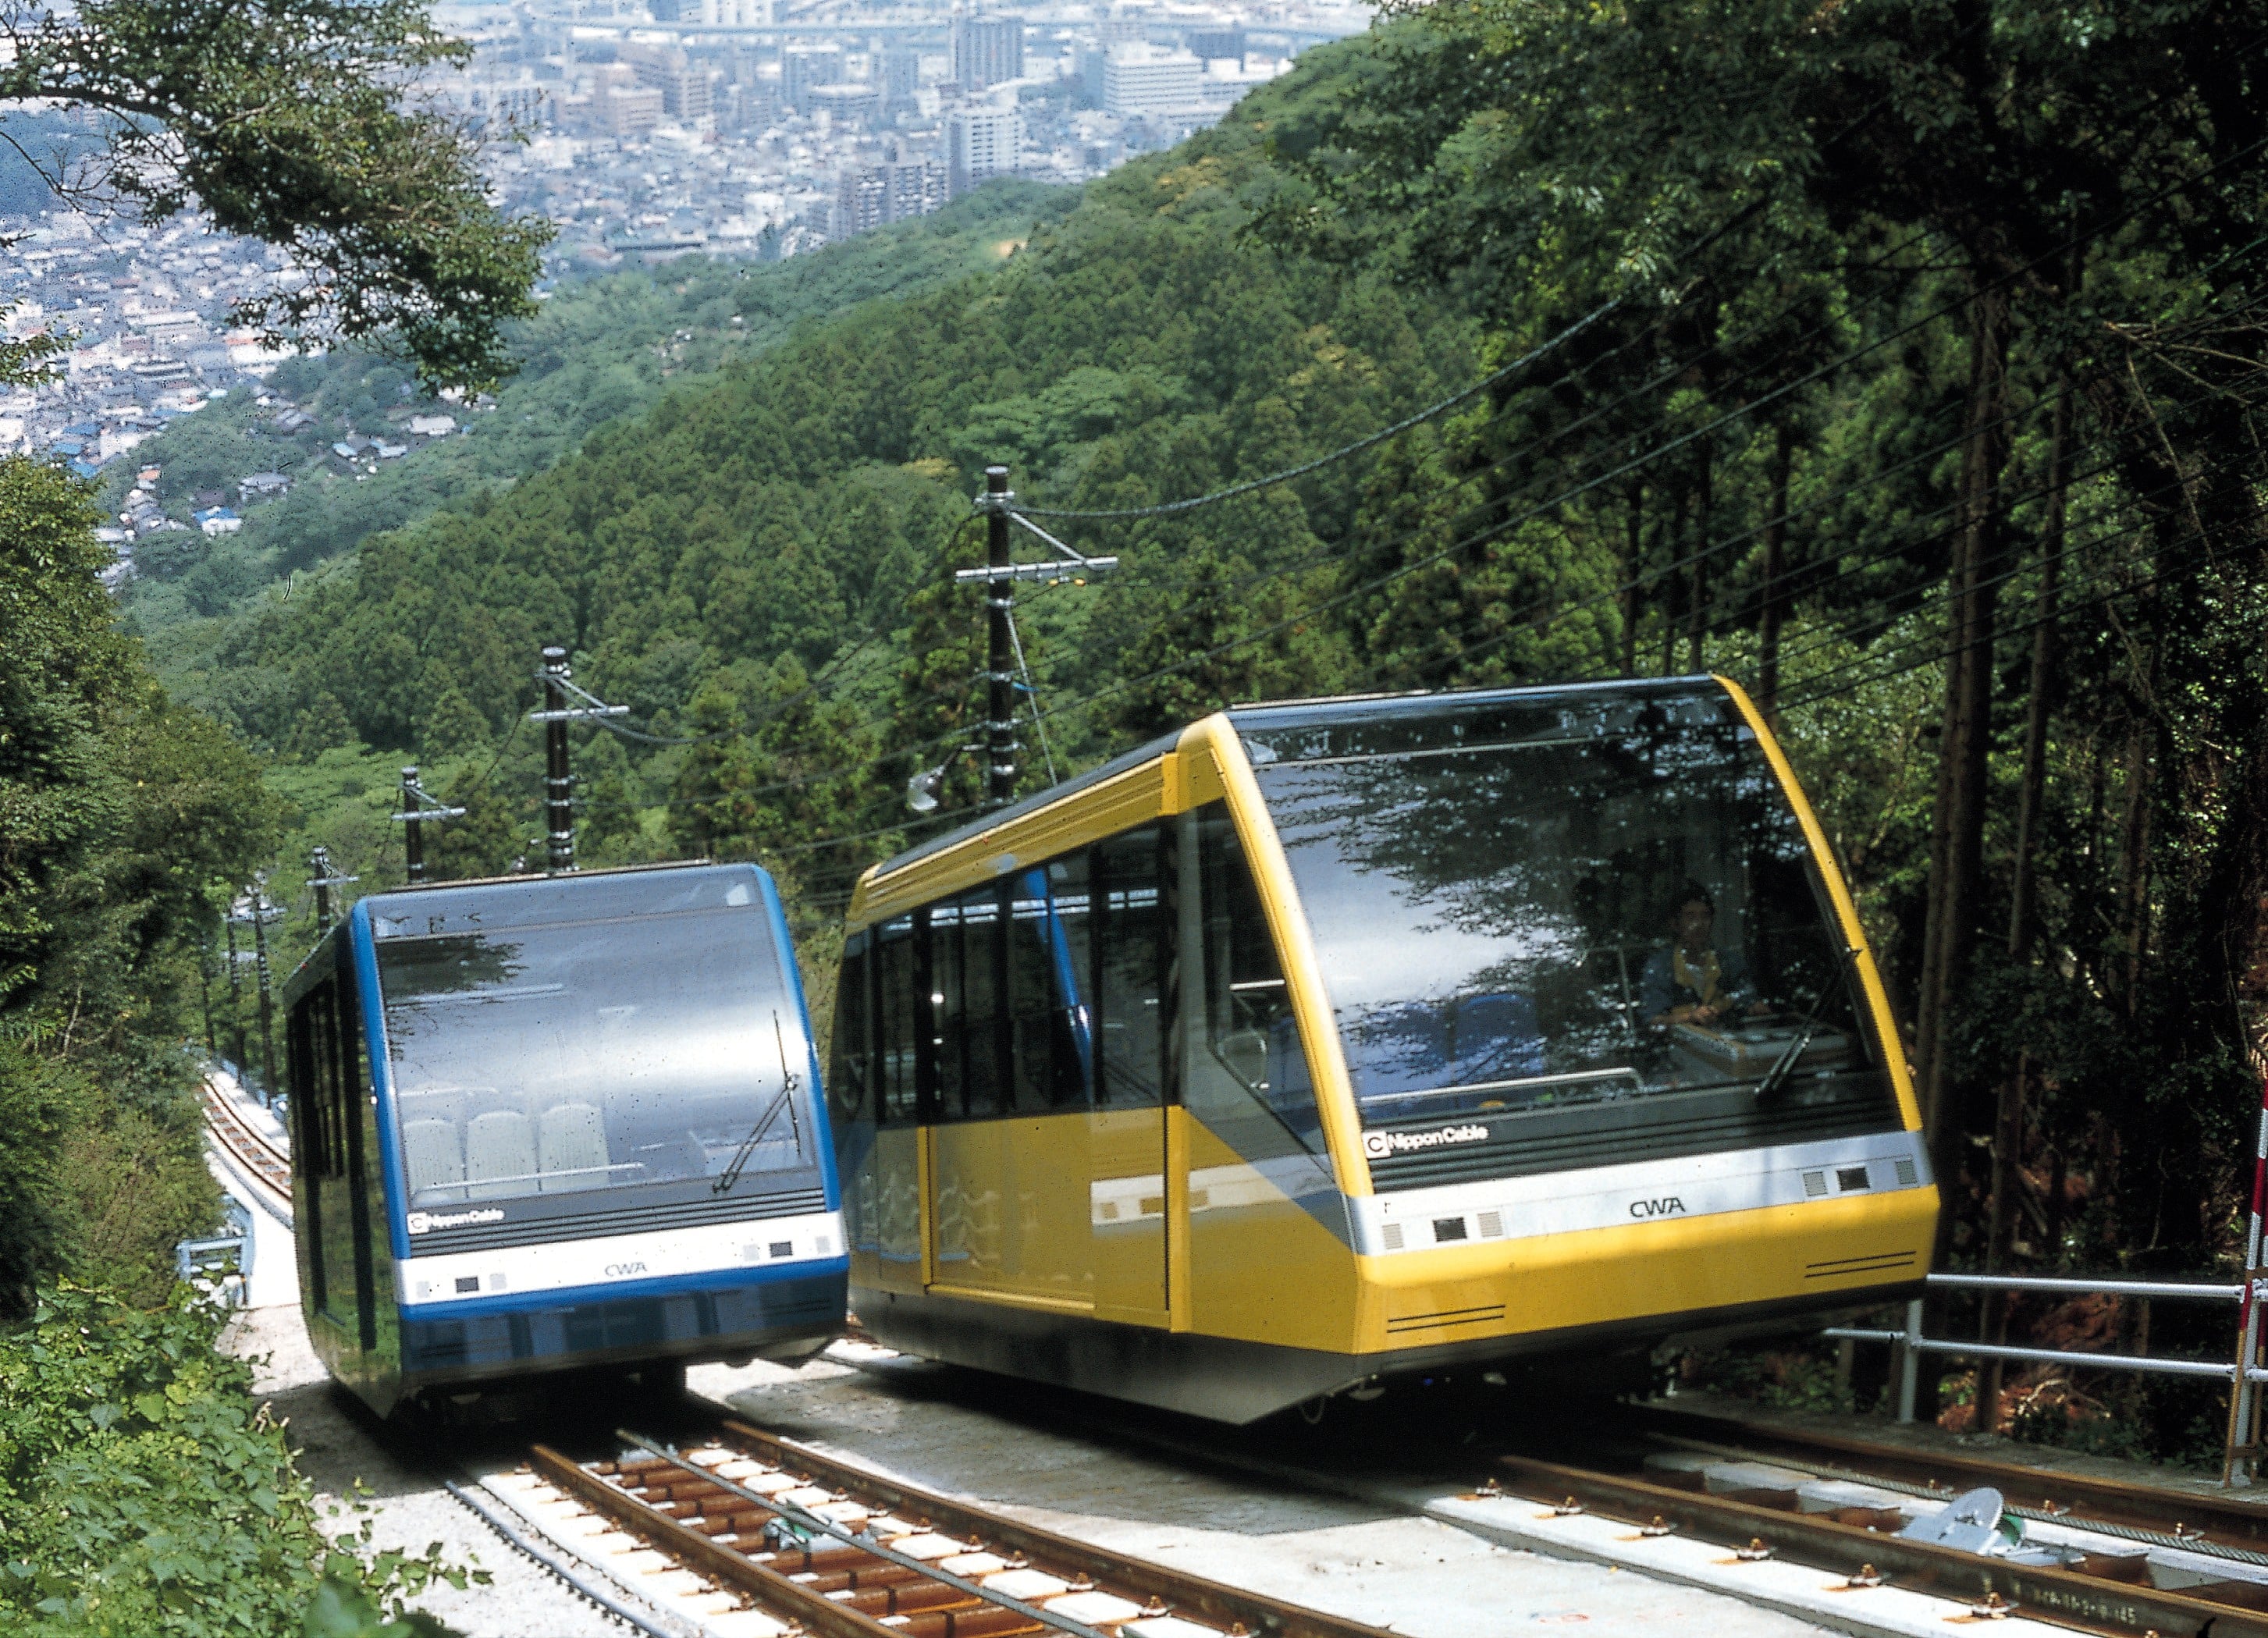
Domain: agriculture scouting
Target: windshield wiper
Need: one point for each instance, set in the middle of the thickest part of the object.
(784, 1098)
(1784, 1066)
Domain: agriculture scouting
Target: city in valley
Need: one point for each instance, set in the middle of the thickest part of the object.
(694, 128)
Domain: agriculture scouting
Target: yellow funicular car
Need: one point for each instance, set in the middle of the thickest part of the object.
(1334, 1040)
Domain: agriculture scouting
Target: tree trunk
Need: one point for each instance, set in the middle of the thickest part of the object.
(1633, 555)
(1956, 862)
(1696, 616)
(2001, 1233)
(1672, 582)
(2059, 1182)
(1775, 594)
(2008, 1116)
(2134, 863)
(2024, 884)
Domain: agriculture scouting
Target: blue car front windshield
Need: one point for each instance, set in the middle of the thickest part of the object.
(1545, 913)
(594, 1056)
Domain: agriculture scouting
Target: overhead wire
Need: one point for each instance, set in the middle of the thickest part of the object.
(1889, 548)
(1543, 508)
(1657, 452)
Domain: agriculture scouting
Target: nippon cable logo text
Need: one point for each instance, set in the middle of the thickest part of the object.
(425, 1222)
(1379, 1145)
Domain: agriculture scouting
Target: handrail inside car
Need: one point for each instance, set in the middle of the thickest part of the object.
(1570, 1077)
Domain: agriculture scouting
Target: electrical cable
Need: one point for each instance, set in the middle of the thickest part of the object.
(1652, 455)
(1880, 550)
(1253, 485)
(1519, 623)
(1851, 127)
(1529, 514)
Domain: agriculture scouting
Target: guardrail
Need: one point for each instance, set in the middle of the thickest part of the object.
(1912, 1344)
(220, 1265)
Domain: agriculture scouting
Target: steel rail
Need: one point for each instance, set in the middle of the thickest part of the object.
(622, 1492)
(2121, 1502)
(574, 1578)
(716, 1559)
(1215, 1600)
(265, 1164)
(865, 1541)
(2182, 1537)
(2062, 1597)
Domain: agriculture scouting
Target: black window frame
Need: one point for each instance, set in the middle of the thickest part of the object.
(963, 953)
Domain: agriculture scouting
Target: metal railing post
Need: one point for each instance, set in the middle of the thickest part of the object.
(1909, 1362)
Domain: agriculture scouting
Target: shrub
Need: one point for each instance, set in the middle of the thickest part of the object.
(144, 1493)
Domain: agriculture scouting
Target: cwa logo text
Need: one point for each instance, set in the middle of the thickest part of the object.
(622, 1271)
(1379, 1145)
(1668, 1206)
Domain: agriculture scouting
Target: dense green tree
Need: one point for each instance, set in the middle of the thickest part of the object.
(295, 121)
(122, 818)
(1931, 321)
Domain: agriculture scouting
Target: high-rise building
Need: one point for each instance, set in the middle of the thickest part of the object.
(1141, 81)
(852, 104)
(981, 142)
(627, 110)
(736, 13)
(752, 104)
(987, 51)
(683, 84)
(803, 66)
(898, 75)
(886, 193)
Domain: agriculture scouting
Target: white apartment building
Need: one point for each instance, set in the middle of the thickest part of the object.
(987, 51)
(981, 142)
(1142, 82)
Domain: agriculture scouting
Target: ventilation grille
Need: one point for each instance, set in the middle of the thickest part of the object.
(1408, 1323)
(1393, 1237)
(1874, 1263)
(1492, 1225)
(1909, 1175)
(600, 1225)
(1815, 1185)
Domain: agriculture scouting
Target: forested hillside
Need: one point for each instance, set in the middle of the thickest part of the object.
(602, 348)
(705, 560)
(1903, 365)
(118, 811)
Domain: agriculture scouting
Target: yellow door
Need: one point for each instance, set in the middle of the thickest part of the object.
(1126, 1213)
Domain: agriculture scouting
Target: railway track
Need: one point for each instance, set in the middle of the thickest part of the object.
(2096, 1555)
(264, 1161)
(753, 1535)
(1812, 1525)
(2150, 1513)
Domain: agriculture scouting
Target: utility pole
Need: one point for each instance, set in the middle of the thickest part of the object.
(262, 913)
(256, 909)
(1003, 656)
(558, 782)
(204, 994)
(324, 879)
(560, 689)
(999, 679)
(235, 993)
(418, 806)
